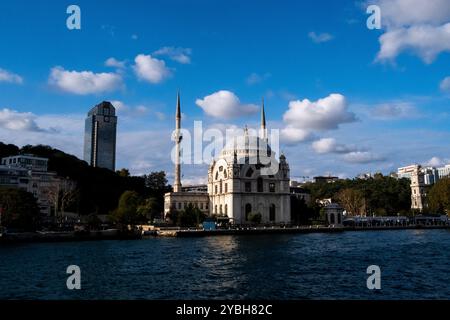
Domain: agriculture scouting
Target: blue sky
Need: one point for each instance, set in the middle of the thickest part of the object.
(395, 107)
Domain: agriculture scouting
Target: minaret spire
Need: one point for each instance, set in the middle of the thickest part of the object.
(178, 137)
(263, 134)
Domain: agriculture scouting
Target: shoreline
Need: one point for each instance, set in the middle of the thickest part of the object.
(36, 237)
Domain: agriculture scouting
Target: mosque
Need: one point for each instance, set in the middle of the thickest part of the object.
(245, 179)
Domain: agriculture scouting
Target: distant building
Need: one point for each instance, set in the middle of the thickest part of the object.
(30, 174)
(325, 179)
(334, 212)
(299, 192)
(444, 171)
(195, 188)
(100, 136)
(418, 189)
(405, 172)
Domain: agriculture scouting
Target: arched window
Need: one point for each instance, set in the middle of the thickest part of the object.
(221, 209)
(226, 209)
(260, 185)
(332, 218)
(249, 173)
(248, 209)
(215, 187)
(217, 175)
(226, 187)
(221, 186)
(215, 209)
(272, 212)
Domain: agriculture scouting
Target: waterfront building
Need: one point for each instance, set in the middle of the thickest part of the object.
(334, 213)
(30, 173)
(100, 136)
(297, 191)
(239, 183)
(325, 179)
(418, 189)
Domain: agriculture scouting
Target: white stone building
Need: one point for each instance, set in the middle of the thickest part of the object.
(245, 179)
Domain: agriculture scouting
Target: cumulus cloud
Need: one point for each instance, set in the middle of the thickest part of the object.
(178, 54)
(435, 162)
(7, 76)
(226, 105)
(416, 26)
(424, 40)
(84, 82)
(330, 145)
(324, 114)
(362, 157)
(320, 37)
(445, 85)
(18, 121)
(255, 78)
(395, 110)
(130, 111)
(150, 69)
(113, 62)
(291, 135)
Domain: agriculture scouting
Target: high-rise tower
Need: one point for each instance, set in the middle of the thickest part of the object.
(100, 136)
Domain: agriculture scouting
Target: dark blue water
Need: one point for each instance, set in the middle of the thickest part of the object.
(414, 265)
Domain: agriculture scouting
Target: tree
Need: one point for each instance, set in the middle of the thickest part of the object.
(439, 197)
(150, 209)
(156, 180)
(352, 200)
(254, 217)
(190, 217)
(19, 209)
(126, 213)
(123, 172)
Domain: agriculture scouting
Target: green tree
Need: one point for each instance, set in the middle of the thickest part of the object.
(127, 213)
(439, 197)
(190, 217)
(123, 172)
(156, 180)
(254, 217)
(150, 209)
(19, 209)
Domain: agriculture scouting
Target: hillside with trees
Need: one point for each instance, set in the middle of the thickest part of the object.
(98, 189)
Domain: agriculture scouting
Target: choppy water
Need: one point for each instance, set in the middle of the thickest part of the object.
(415, 264)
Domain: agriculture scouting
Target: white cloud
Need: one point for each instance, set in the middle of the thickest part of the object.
(129, 111)
(424, 40)
(226, 105)
(84, 82)
(320, 37)
(150, 69)
(255, 78)
(435, 162)
(401, 13)
(416, 26)
(394, 110)
(362, 157)
(445, 85)
(113, 62)
(178, 54)
(329, 145)
(291, 135)
(18, 121)
(6, 76)
(324, 114)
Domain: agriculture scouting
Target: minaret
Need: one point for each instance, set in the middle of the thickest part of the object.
(263, 134)
(178, 137)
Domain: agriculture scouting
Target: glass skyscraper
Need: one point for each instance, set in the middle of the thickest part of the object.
(100, 136)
